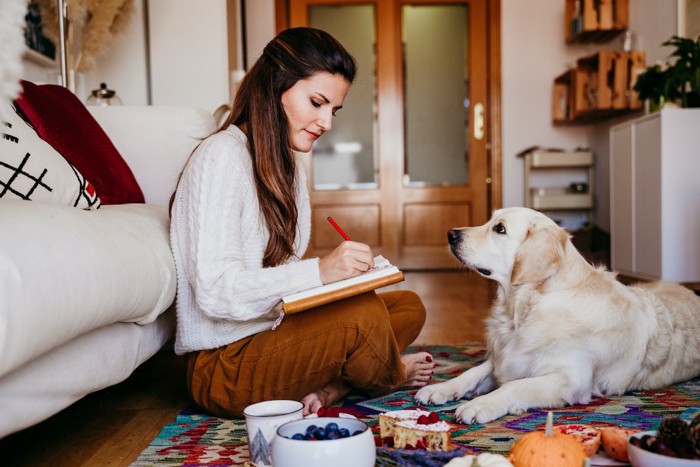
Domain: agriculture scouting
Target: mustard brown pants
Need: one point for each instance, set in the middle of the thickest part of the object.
(359, 340)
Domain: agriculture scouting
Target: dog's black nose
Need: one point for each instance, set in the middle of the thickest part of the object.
(454, 237)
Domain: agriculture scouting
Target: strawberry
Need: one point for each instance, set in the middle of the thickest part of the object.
(433, 417)
(328, 412)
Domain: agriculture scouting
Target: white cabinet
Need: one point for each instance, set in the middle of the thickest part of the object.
(655, 196)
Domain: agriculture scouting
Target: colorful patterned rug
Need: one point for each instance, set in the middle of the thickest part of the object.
(196, 439)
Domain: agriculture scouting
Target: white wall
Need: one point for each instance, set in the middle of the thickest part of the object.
(189, 53)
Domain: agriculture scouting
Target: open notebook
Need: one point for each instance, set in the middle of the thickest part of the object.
(383, 274)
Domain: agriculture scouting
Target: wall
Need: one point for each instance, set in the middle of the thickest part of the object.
(689, 21)
(189, 68)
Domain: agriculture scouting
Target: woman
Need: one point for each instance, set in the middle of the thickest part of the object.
(240, 226)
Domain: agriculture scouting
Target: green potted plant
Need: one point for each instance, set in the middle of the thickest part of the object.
(677, 80)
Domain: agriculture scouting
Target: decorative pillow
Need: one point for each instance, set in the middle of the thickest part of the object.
(31, 169)
(63, 121)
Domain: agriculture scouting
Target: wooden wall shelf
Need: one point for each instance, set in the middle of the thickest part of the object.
(600, 86)
(594, 20)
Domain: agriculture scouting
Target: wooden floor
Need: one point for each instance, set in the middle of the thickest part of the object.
(111, 427)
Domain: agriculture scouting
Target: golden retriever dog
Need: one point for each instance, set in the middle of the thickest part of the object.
(560, 330)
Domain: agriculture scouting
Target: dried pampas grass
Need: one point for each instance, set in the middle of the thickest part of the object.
(99, 20)
(11, 48)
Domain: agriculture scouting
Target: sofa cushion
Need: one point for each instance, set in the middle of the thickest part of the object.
(90, 362)
(66, 271)
(155, 141)
(30, 169)
(65, 123)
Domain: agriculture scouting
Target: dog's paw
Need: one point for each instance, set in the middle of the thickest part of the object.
(438, 394)
(479, 410)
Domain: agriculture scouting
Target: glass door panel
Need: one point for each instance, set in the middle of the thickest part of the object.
(436, 80)
(345, 158)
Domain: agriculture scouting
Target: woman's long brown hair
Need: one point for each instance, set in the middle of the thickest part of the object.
(295, 54)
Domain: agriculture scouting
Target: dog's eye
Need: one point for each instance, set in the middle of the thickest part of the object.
(499, 228)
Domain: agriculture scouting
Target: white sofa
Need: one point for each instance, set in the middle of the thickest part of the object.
(86, 296)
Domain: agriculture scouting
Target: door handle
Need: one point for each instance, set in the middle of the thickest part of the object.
(479, 121)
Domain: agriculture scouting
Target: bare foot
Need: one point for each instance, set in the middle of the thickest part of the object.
(419, 369)
(325, 397)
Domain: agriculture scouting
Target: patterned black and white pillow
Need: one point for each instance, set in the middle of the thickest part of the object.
(31, 169)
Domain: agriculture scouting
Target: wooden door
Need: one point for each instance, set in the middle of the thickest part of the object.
(401, 217)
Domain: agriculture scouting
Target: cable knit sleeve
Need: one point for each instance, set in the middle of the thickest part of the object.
(221, 236)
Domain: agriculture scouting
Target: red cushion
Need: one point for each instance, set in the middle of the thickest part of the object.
(66, 124)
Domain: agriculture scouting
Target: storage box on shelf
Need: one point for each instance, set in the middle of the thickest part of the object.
(600, 86)
(594, 20)
(577, 196)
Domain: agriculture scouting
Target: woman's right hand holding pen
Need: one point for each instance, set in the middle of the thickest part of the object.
(349, 259)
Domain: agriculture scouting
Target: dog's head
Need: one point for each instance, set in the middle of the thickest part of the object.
(516, 246)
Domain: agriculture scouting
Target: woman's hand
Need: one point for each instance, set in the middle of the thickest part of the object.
(349, 259)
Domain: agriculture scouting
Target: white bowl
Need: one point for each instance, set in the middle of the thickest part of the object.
(642, 458)
(355, 451)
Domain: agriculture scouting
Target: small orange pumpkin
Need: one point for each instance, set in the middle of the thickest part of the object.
(547, 449)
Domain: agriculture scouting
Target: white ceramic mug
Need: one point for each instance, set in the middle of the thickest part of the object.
(262, 420)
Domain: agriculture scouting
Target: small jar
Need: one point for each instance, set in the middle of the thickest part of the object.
(103, 97)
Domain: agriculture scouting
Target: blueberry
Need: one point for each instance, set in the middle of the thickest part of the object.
(308, 436)
(331, 426)
(310, 429)
(344, 432)
(298, 436)
(332, 434)
(320, 433)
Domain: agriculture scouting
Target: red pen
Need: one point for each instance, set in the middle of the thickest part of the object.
(337, 227)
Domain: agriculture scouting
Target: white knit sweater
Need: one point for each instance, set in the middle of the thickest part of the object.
(218, 238)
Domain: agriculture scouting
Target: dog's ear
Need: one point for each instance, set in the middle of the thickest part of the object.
(540, 255)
